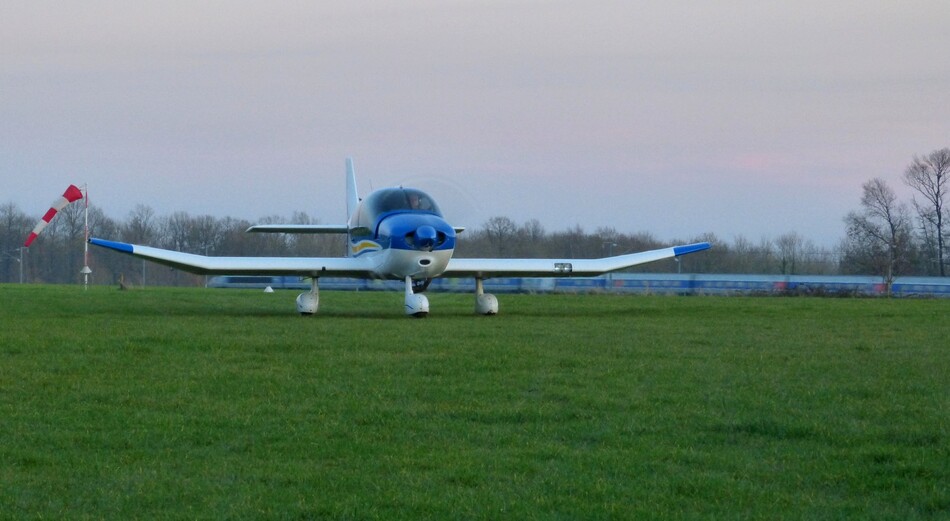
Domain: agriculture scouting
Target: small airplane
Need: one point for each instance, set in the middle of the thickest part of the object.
(394, 233)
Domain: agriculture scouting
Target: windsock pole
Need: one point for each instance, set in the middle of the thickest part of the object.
(85, 257)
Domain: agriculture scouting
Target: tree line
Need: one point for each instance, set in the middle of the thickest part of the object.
(885, 237)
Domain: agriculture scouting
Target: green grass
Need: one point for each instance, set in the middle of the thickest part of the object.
(218, 404)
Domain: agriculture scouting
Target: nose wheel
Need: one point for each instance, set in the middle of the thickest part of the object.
(417, 305)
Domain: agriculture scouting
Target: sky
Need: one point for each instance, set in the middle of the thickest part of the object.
(740, 118)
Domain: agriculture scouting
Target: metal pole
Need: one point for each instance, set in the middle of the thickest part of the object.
(21, 263)
(85, 266)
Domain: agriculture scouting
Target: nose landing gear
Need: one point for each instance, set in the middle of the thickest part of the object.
(417, 305)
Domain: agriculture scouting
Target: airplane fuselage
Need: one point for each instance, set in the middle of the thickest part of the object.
(402, 233)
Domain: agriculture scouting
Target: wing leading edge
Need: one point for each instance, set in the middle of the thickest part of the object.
(204, 265)
(488, 268)
(297, 228)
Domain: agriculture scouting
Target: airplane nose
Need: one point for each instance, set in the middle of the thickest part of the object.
(424, 237)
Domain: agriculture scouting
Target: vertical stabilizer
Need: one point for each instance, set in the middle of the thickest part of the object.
(352, 196)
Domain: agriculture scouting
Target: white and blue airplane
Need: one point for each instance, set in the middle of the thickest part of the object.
(394, 233)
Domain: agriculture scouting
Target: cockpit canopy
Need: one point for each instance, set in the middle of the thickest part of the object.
(389, 200)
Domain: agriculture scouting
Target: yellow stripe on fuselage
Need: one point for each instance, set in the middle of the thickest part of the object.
(363, 246)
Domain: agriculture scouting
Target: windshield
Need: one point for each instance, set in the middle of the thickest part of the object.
(389, 200)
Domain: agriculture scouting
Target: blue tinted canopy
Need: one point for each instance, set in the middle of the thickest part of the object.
(388, 200)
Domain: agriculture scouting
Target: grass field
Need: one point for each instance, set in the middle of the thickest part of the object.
(223, 404)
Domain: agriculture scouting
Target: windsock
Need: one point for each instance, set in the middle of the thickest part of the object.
(70, 195)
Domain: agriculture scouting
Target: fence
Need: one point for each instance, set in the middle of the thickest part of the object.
(632, 283)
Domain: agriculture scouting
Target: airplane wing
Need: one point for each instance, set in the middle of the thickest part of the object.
(298, 228)
(487, 268)
(204, 265)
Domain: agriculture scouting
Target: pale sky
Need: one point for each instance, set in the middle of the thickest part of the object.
(741, 118)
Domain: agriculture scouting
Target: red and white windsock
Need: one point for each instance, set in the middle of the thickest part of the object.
(70, 195)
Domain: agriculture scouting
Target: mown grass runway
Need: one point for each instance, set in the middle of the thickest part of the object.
(195, 403)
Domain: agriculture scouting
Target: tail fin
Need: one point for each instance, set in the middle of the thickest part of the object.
(352, 196)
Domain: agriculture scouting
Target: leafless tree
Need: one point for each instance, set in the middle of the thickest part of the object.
(715, 260)
(791, 250)
(928, 176)
(66, 233)
(532, 231)
(14, 227)
(501, 233)
(141, 226)
(879, 236)
(573, 243)
(744, 253)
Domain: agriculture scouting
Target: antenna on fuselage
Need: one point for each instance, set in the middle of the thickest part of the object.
(352, 195)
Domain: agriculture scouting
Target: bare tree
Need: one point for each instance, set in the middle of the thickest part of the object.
(501, 233)
(532, 231)
(791, 250)
(879, 236)
(141, 227)
(574, 243)
(67, 231)
(205, 234)
(14, 226)
(928, 176)
(712, 261)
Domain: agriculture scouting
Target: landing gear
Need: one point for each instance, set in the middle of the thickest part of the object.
(485, 303)
(417, 305)
(307, 303)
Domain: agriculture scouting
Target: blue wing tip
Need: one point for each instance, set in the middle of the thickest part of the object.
(112, 245)
(691, 248)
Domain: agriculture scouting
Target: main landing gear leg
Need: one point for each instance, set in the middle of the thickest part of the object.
(485, 303)
(417, 305)
(307, 303)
